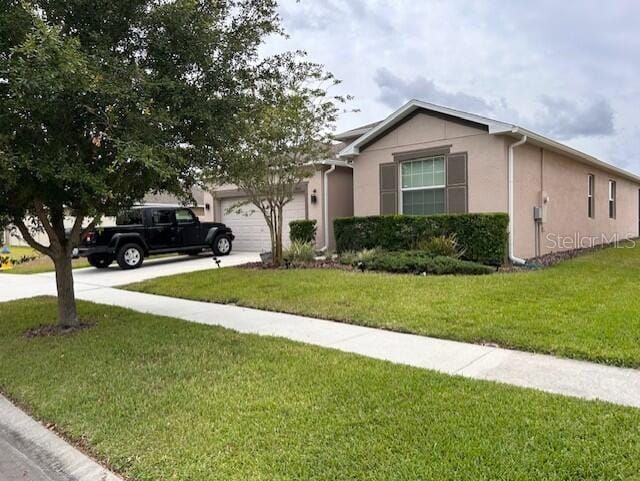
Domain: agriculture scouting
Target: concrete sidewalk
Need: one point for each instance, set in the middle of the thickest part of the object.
(562, 376)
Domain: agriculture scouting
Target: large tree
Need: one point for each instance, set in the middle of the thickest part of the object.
(101, 102)
(285, 129)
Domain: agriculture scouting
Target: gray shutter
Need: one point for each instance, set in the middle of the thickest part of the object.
(389, 188)
(457, 198)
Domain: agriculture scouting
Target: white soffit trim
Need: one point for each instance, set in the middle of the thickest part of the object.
(336, 162)
(494, 127)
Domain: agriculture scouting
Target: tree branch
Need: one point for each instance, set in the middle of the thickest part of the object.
(90, 226)
(77, 232)
(26, 235)
(44, 220)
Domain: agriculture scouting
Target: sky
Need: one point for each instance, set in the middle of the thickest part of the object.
(567, 69)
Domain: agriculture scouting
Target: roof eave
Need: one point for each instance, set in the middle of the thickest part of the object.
(494, 127)
(570, 151)
(353, 149)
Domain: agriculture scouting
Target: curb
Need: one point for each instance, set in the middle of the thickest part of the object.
(56, 458)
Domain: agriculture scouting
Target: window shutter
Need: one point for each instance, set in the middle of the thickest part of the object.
(457, 198)
(389, 188)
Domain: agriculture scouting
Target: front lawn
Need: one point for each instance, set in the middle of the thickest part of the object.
(585, 308)
(41, 264)
(159, 398)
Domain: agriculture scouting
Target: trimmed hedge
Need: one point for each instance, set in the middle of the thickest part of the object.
(482, 236)
(302, 230)
(418, 262)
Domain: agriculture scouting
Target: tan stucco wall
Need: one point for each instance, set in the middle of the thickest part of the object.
(340, 189)
(567, 224)
(487, 162)
(527, 192)
(562, 178)
(316, 210)
(208, 214)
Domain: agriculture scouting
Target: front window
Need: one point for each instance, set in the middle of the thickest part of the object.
(423, 184)
(612, 199)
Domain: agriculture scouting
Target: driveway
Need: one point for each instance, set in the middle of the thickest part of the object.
(18, 286)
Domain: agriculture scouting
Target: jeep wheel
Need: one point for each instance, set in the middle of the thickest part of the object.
(130, 256)
(222, 245)
(100, 261)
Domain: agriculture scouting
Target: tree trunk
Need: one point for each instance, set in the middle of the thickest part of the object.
(67, 314)
(272, 232)
(279, 233)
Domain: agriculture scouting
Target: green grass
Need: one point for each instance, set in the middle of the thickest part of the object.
(586, 308)
(39, 265)
(16, 252)
(159, 398)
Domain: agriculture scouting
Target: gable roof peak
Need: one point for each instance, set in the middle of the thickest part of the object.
(494, 127)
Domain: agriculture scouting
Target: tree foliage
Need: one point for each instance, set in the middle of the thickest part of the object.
(285, 130)
(99, 108)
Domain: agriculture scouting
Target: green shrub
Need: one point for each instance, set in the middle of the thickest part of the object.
(352, 258)
(483, 237)
(302, 230)
(418, 262)
(442, 245)
(300, 252)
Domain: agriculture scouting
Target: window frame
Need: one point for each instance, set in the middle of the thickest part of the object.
(129, 213)
(172, 217)
(612, 200)
(591, 191)
(193, 216)
(442, 187)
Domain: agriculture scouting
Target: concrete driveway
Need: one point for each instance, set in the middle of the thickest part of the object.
(18, 286)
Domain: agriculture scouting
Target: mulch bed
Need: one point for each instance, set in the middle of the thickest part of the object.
(50, 330)
(317, 264)
(556, 257)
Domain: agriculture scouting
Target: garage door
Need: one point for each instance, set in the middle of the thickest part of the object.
(249, 227)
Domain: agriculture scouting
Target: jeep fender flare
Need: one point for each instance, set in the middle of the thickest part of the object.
(120, 239)
(211, 235)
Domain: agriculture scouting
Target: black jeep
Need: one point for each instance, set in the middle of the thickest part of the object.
(145, 231)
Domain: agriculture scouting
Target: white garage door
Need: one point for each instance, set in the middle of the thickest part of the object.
(249, 227)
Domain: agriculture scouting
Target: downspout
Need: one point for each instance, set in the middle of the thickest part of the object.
(325, 198)
(512, 256)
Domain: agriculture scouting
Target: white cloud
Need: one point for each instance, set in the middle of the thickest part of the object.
(564, 119)
(394, 91)
(568, 69)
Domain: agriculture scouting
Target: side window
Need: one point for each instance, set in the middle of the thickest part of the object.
(590, 196)
(162, 216)
(130, 217)
(184, 216)
(612, 199)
